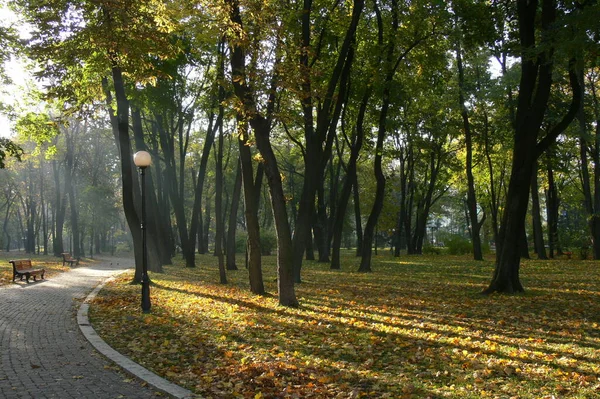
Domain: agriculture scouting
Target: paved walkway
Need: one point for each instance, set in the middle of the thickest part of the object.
(43, 352)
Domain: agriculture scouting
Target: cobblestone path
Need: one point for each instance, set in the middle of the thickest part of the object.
(43, 353)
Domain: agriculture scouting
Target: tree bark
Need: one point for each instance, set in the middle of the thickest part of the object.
(315, 156)
(262, 128)
(471, 196)
(251, 213)
(592, 198)
(131, 195)
(60, 212)
(157, 249)
(233, 214)
(357, 214)
(219, 231)
(346, 190)
(552, 203)
(538, 234)
(534, 92)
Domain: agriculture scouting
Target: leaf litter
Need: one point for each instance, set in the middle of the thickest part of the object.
(415, 328)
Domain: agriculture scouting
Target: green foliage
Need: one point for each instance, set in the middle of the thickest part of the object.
(9, 149)
(240, 243)
(36, 127)
(76, 44)
(458, 245)
(268, 241)
(431, 250)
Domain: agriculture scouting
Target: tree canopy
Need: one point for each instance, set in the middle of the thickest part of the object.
(408, 124)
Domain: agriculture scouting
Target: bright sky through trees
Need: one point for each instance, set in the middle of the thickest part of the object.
(15, 69)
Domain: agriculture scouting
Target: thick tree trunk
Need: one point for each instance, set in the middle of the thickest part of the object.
(131, 196)
(534, 91)
(592, 200)
(321, 232)
(262, 129)
(285, 269)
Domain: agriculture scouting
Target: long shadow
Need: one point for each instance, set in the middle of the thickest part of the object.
(270, 313)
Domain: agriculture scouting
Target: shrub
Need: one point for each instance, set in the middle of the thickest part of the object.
(431, 250)
(268, 242)
(240, 243)
(458, 245)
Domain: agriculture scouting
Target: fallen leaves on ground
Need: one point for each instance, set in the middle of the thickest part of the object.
(415, 328)
(52, 266)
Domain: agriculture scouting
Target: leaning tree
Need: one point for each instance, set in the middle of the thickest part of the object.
(545, 30)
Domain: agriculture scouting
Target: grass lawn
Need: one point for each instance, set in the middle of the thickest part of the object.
(414, 328)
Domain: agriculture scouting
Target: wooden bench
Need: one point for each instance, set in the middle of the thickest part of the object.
(23, 267)
(68, 259)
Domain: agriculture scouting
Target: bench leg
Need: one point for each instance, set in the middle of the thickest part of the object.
(27, 277)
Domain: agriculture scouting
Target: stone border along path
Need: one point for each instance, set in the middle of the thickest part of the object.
(43, 355)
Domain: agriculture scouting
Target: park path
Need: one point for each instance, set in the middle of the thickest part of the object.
(43, 352)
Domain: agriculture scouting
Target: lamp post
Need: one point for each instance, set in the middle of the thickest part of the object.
(142, 160)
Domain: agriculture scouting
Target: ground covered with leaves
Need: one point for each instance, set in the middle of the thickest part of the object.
(53, 266)
(416, 327)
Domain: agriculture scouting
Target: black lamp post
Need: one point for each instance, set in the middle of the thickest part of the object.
(142, 160)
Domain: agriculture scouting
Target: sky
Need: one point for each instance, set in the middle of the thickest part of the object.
(15, 69)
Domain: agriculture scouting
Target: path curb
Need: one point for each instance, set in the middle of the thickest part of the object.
(127, 364)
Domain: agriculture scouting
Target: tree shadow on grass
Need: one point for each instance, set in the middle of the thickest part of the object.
(367, 352)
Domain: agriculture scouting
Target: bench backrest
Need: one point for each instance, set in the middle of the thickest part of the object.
(21, 264)
(67, 256)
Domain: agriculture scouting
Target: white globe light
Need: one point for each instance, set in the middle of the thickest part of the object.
(142, 159)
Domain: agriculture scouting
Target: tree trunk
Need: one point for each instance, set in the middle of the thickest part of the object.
(552, 203)
(538, 234)
(534, 91)
(233, 214)
(219, 230)
(262, 129)
(346, 190)
(157, 249)
(357, 215)
(9, 201)
(131, 196)
(60, 209)
(251, 213)
(162, 210)
(317, 154)
(471, 196)
(592, 201)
